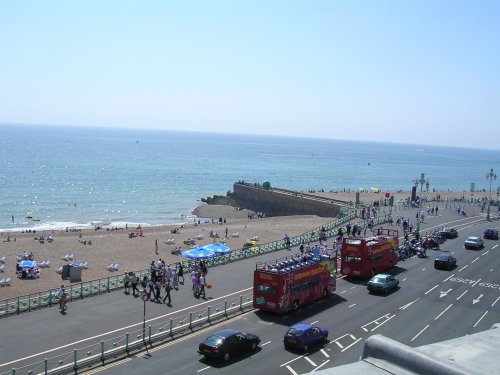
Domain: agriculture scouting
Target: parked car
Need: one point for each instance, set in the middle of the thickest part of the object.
(473, 243)
(438, 238)
(303, 335)
(445, 261)
(228, 343)
(491, 234)
(449, 233)
(382, 283)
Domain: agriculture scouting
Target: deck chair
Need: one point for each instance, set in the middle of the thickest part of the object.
(8, 281)
(47, 263)
(42, 264)
(59, 270)
(2, 259)
(2, 282)
(109, 267)
(84, 265)
(115, 267)
(2, 267)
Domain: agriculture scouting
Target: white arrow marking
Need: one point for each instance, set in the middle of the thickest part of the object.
(476, 300)
(443, 294)
(408, 304)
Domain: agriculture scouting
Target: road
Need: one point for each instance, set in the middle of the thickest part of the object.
(430, 306)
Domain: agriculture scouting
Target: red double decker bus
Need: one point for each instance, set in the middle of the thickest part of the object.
(288, 283)
(365, 257)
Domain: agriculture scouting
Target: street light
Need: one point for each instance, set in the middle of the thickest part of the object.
(422, 181)
(490, 176)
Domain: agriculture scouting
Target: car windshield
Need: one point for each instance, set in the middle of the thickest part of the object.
(378, 280)
(294, 332)
(214, 340)
(473, 239)
(442, 257)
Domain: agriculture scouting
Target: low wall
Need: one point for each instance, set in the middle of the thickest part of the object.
(281, 202)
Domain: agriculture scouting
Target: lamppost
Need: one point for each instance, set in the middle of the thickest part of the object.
(422, 181)
(490, 176)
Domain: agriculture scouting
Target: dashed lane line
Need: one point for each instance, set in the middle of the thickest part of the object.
(482, 316)
(464, 267)
(431, 289)
(437, 317)
(475, 260)
(493, 304)
(461, 295)
(418, 334)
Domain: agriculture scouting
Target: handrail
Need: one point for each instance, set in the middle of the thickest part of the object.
(17, 305)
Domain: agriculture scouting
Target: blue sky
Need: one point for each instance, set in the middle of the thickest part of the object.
(424, 72)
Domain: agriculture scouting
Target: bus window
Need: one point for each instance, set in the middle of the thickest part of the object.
(266, 289)
(350, 259)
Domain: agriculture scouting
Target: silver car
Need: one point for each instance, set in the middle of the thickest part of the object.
(474, 243)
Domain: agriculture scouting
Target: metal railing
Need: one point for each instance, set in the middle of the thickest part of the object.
(121, 346)
(82, 290)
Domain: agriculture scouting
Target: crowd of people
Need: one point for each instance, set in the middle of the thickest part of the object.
(164, 277)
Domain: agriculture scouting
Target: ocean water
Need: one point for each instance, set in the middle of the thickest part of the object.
(79, 177)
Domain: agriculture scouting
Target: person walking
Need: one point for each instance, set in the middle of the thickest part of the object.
(126, 283)
(180, 273)
(157, 290)
(168, 288)
(134, 281)
(201, 283)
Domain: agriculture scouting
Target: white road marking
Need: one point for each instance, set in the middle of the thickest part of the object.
(265, 343)
(385, 321)
(291, 370)
(353, 287)
(324, 363)
(404, 279)
(476, 300)
(310, 361)
(373, 321)
(460, 296)
(431, 289)
(347, 347)
(491, 270)
(316, 321)
(408, 304)
(437, 317)
(449, 277)
(343, 291)
(423, 269)
(418, 334)
(444, 294)
(486, 252)
(352, 305)
(486, 312)
(352, 337)
(266, 323)
(493, 304)
(475, 260)
(494, 247)
(292, 360)
(339, 344)
(325, 353)
(464, 267)
(476, 282)
(204, 368)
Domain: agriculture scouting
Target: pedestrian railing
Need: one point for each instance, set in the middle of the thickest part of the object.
(122, 346)
(82, 290)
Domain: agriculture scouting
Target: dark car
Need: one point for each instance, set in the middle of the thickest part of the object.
(445, 261)
(438, 238)
(474, 243)
(490, 234)
(382, 283)
(303, 335)
(449, 233)
(227, 343)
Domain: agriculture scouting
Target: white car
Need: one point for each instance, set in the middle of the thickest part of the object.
(474, 243)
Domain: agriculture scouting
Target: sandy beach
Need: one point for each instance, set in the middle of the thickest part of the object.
(132, 254)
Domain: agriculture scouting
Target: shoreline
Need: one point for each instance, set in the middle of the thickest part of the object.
(134, 254)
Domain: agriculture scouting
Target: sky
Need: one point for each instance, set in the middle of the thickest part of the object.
(421, 72)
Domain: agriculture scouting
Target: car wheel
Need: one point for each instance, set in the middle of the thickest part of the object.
(254, 345)
(295, 305)
(306, 348)
(325, 339)
(226, 357)
(386, 290)
(449, 267)
(436, 267)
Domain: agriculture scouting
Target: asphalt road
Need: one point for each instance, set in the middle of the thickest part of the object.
(430, 306)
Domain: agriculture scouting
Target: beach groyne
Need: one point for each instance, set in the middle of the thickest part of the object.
(281, 202)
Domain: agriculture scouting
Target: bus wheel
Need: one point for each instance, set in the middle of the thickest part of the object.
(324, 293)
(295, 305)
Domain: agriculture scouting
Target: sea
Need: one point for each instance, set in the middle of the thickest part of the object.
(57, 177)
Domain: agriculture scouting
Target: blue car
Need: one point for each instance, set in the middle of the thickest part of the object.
(382, 283)
(303, 335)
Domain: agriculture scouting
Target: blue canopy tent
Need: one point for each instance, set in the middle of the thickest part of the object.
(207, 251)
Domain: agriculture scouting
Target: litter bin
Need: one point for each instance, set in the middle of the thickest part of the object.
(75, 273)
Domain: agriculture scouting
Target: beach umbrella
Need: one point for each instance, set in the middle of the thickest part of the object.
(361, 189)
(375, 189)
(218, 248)
(198, 252)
